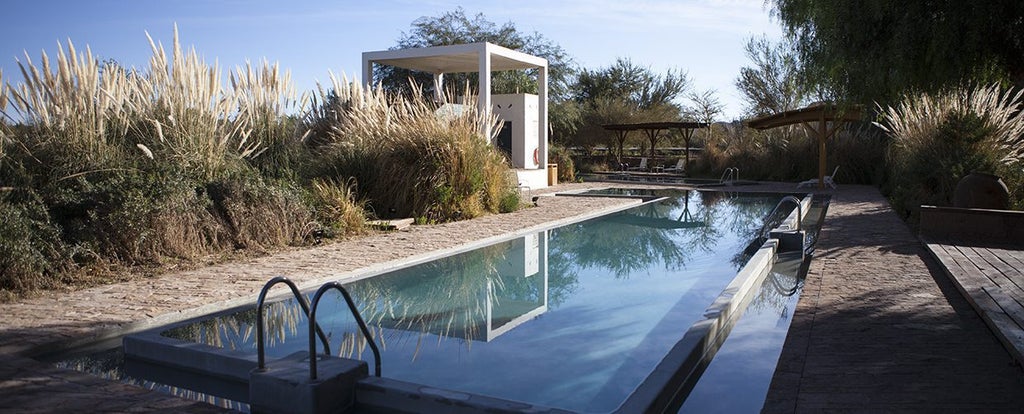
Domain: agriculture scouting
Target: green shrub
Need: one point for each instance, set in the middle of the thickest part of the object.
(939, 139)
(32, 255)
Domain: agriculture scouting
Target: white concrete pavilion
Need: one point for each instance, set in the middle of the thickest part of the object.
(527, 143)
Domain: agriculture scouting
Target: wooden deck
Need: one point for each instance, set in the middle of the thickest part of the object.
(992, 280)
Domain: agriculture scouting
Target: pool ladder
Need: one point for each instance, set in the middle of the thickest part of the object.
(314, 328)
(799, 214)
(731, 174)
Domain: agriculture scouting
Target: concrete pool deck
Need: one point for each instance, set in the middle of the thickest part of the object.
(878, 328)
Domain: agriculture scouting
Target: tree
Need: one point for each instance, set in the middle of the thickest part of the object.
(625, 93)
(455, 27)
(772, 84)
(636, 84)
(705, 107)
(877, 50)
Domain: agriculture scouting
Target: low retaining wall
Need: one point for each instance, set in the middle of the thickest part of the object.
(972, 224)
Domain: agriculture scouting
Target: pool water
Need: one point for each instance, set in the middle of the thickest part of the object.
(573, 317)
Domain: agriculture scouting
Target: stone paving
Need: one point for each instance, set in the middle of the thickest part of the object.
(876, 329)
(879, 328)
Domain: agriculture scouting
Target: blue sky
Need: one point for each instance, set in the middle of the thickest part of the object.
(703, 37)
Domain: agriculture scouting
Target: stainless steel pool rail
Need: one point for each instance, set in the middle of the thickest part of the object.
(260, 350)
(359, 320)
(730, 174)
(799, 214)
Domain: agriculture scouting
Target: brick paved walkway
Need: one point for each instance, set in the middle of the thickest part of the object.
(879, 328)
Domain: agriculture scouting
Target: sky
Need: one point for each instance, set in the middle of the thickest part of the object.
(704, 38)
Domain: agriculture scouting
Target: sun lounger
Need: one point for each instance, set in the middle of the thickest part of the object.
(828, 180)
(641, 167)
(677, 168)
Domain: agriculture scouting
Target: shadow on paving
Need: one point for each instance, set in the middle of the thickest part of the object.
(29, 386)
(880, 328)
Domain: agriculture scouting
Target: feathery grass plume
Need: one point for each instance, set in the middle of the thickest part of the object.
(937, 139)
(913, 122)
(3, 116)
(266, 97)
(184, 115)
(66, 106)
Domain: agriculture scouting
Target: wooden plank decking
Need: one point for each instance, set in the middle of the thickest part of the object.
(992, 280)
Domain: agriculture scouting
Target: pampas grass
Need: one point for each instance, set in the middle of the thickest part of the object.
(937, 139)
(410, 156)
(914, 121)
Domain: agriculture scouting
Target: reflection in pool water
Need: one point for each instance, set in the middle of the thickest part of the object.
(573, 317)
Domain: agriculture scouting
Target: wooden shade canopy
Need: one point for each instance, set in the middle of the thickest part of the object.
(652, 129)
(820, 113)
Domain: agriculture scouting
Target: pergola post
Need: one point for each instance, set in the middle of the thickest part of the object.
(368, 73)
(820, 113)
(687, 136)
(822, 136)
(652, 136)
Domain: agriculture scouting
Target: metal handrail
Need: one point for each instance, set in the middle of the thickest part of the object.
(730, 174)
(799, 212)
(355, 314)
(260, 352)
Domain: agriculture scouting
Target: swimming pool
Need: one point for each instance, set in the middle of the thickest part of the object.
(574, 317)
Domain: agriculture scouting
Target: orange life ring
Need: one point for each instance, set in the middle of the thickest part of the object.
(536, 156)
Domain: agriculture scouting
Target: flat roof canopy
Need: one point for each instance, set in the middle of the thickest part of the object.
(455, 58)
(481, 57)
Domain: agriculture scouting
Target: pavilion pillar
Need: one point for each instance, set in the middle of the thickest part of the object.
(542, 107)
(367, 72)
(484, 93)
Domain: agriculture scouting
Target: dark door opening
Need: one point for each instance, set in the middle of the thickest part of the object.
(504, 140)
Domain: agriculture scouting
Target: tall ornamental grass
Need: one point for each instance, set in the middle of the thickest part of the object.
(937, 139)
(104, 164)
(791, 154)
(410, 157)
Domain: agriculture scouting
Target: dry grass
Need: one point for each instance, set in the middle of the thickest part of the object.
(3, 115)
(338, 206)
(938, 139)
(409, 158)
(914, 121)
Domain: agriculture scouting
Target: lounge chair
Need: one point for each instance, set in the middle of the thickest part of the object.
(828, 180)
(677, 168)
(641, 167)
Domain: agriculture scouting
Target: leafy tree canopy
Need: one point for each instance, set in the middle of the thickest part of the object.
(455, 27)
(635, 84)
(771, 85)
(876, 50)
(624, 93)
